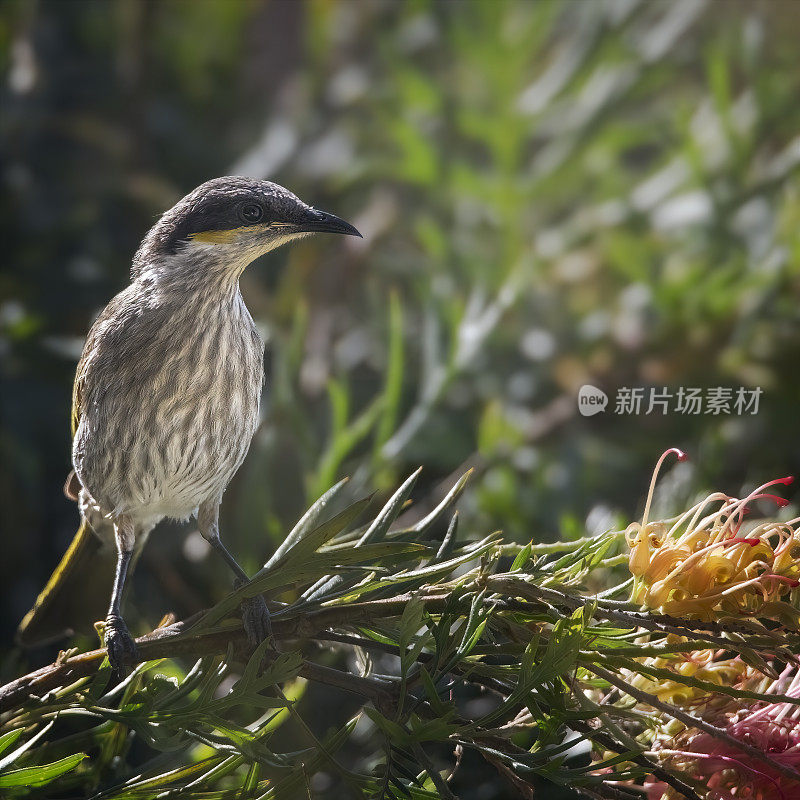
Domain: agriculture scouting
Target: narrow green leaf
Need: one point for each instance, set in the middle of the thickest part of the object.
(391, 729)
(446, 547)
(7, 739)
(376, 530)
(522, 558)
(205, 769)
(306, 523)
(388, 514)
(251, 781)
(14, 755)
(411, 621)
(314, 539)
(450, 498)
(41, 775)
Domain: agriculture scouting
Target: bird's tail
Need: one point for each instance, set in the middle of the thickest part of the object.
(78, 590)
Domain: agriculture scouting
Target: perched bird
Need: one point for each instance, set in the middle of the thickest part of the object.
(167, 390)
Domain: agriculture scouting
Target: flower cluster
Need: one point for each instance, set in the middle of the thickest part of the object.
(710, 666)
(727, 771)
(702, 564)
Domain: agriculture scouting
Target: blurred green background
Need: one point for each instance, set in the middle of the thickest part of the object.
(551, 194)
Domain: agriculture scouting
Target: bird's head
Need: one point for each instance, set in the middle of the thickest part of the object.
(226, 223)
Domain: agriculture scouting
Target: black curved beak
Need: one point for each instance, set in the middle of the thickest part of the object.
(322, 222)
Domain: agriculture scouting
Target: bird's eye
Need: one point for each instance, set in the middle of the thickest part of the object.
(251, 213)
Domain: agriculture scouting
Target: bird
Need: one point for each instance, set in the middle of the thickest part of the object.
(167, 390)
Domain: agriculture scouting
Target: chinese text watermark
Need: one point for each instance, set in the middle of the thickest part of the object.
(714, 400)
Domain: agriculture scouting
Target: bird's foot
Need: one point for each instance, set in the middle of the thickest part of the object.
(255, 619)
(121, 648)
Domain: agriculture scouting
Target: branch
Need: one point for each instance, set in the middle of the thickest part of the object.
(177, 640)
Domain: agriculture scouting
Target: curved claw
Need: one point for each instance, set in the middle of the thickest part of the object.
(120, 645)
(256, 620)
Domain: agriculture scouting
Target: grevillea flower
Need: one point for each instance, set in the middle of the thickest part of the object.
(701, 564)
(700, 665)
(727, 772)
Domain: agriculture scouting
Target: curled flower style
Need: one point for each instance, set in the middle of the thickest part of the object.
(701, 564)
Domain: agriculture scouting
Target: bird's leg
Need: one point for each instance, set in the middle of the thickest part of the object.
(255, 614)
(119, 642)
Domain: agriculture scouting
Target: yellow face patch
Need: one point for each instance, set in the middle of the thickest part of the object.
(225, 237)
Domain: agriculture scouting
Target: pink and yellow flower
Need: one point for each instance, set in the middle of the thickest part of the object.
(727, 772)
(702, 564)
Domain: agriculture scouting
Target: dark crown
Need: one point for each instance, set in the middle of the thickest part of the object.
(216, 205)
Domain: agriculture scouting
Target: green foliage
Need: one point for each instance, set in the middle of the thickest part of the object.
(16, 781)
(430, 627)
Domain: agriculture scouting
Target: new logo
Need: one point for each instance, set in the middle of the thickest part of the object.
(591, 400)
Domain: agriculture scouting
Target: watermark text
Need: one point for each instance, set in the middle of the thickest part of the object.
(663, 400)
